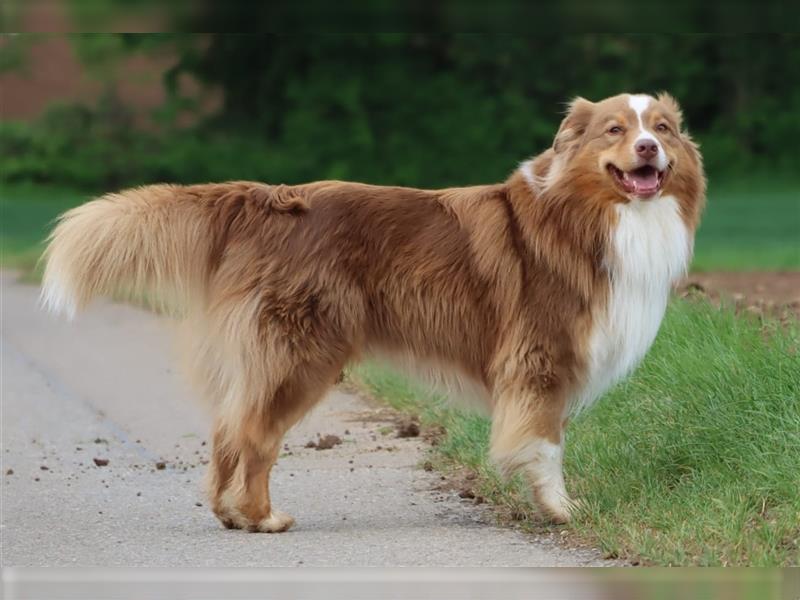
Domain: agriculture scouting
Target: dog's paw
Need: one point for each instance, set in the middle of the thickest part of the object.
(557, 507)
(276, 522)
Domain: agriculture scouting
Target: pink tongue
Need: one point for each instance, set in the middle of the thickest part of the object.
(646, 179)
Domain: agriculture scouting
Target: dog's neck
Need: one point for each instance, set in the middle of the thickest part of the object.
(568, 236)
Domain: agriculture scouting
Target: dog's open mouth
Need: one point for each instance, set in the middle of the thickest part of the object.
(643, 182)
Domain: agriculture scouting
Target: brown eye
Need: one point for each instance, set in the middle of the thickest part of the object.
(615, 130)
(662, 127)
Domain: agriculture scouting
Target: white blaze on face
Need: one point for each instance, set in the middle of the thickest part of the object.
(639, 104)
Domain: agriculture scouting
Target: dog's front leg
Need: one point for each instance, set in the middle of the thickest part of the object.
(528, 436)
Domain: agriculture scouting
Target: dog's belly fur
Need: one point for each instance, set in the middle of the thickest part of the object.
(650, 250)
(443, 379)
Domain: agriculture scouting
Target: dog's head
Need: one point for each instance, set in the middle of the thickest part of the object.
(629, 146)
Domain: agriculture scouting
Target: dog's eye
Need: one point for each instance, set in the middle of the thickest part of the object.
(662, 127)
(615, 130)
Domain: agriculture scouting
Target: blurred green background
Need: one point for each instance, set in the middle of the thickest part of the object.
(87, 113)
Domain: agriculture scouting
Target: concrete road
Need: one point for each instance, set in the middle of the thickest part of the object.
(104, 387)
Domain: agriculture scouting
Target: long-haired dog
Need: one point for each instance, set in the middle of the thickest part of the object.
(542, 291)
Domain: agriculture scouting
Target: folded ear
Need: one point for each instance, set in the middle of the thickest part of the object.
(672, 105)
(574, 124)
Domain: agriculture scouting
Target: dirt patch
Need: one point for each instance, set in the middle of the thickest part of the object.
(408, 428)
(461, 481)
(760, 292)
(325, 442)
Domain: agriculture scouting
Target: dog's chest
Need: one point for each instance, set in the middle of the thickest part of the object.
(650, 249)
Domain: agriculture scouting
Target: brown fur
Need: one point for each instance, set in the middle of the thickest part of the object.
(282, 286)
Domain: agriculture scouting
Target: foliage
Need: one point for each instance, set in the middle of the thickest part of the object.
(13, 52)
(414, 109)
(488, 101)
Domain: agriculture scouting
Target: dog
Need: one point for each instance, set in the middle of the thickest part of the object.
(541, 291)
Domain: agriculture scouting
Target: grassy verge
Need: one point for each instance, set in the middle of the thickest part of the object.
(693, 461)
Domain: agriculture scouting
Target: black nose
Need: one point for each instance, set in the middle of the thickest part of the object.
(646, 148)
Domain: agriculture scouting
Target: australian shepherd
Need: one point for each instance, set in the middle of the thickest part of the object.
(541, 291)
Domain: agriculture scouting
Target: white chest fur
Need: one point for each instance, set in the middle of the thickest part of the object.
(650, 249)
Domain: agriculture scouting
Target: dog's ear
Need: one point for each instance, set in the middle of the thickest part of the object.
(672, 106)
(574, 124)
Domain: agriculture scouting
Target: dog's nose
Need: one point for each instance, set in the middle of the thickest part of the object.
(646, 148)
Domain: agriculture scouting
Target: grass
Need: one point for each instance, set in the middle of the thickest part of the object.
(750, 224)
(26, 214)
(695, 460)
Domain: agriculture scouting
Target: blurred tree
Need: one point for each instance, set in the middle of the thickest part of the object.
(436, 109)
(13, 51)
(376, 95)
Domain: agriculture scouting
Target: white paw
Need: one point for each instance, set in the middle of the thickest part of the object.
(276, 521)
(559, 507)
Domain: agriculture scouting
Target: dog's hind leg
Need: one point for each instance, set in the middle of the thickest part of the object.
(264, 360)
(243, 500)
(245, 450)
(220, 472)
(527, 435)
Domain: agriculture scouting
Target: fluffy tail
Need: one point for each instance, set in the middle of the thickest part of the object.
(155, 238)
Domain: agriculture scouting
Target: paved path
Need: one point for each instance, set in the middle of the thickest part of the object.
(104, 387)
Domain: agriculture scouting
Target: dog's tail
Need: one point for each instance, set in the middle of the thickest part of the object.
(160, 239)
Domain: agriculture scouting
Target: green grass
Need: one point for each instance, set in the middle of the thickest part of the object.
(26, 214)
(750, 223)
(695, 460)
